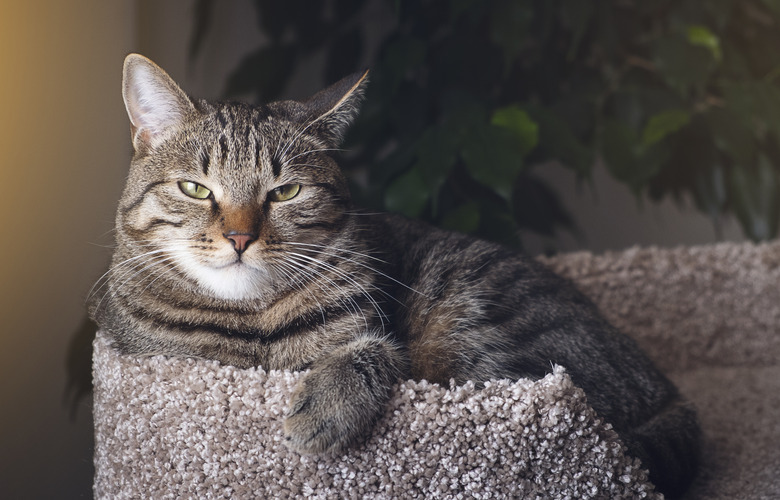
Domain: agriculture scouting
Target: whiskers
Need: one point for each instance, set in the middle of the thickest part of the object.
(345, 283)
(362, 287)
(341, 274)
(354, 257)
(144, 268)
(301, 277)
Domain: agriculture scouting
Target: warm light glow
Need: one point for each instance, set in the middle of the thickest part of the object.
(63, 155)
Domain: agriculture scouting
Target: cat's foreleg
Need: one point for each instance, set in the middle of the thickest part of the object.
(343, 395)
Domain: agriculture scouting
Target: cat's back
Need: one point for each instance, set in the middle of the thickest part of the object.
(476, 310)
(429, 260)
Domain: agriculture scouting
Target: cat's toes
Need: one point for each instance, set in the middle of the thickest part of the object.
(311, 427)
(338, 400)
(307, 436)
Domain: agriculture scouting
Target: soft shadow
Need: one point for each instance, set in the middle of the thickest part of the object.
(79, 365)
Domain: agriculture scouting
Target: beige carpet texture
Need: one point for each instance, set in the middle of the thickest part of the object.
(709, 316)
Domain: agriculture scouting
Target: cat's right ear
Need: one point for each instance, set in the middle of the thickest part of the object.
(155, 105)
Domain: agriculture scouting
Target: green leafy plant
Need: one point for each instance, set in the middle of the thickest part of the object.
(470, 98)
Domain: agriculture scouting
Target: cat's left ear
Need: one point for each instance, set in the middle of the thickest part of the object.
(336, 107)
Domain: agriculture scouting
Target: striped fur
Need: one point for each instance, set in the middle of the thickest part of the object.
(361, 300)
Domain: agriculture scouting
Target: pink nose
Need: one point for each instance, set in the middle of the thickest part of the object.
(240, 240)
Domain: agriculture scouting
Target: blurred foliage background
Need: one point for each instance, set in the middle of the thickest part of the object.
(470, 98)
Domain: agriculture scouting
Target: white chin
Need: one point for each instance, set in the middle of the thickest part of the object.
(235, 282)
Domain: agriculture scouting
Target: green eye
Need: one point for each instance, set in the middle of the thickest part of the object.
(284, 193)
(194, 190)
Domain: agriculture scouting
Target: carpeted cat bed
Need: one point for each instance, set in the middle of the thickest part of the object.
(709, 316)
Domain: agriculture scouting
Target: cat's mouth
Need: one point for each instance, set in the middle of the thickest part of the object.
(235, 264)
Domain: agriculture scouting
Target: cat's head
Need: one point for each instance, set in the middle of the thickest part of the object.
(215, 189)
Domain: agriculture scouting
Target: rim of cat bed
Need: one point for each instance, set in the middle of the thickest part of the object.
(509, 391)
(557, 372)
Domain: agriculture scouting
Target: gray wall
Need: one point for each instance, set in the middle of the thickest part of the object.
(610, 217)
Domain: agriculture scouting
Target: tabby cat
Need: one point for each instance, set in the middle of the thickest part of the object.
(237, 241)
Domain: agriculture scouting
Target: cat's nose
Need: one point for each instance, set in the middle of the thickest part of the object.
(240, 240)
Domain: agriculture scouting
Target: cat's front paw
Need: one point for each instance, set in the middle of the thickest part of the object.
(342, 396)
(326, 416)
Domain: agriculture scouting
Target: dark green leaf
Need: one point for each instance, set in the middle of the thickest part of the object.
(536, 207)
(735, 63)
(402, 56)
(701, 36)
(682, 64)
(404, 111)
(709, 191)
(517, 121)
(772, 4)
(557, 141)
(754, 193)
(496, 223)
(462, 113)
(464, 219)
(626, 159)
(732, 135)
(755, 100)
(768, 98)
(741, 99)
(578, 15)
(436, 155)
(619, 146)
(491, 158)
(408, 194)
(508, 27)
(397, 162)
(663, 124)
